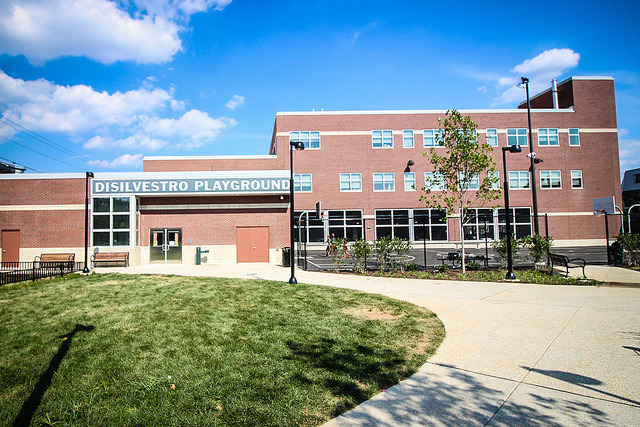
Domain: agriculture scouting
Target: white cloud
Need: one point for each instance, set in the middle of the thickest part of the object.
(540, 70)
(193, 129)
(126, 160)
(235, 102)
(482, 89)
(136, 141)
(43, 30)
(44, 106)
(629, 154)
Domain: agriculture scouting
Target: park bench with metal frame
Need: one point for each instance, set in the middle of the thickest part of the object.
(55, 260)
(558, 260)
(110, 258)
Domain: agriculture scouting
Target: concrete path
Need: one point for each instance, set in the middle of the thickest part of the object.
(515, 354)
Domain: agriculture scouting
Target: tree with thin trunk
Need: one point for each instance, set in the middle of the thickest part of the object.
(464, 173)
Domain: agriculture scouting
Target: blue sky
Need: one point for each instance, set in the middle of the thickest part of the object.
(98, 84)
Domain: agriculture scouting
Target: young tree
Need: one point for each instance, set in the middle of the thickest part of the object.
(464, 173)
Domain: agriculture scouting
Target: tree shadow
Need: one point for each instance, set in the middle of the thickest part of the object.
(35, 399)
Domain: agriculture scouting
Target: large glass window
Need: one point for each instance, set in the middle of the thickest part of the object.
(110, 222)
(519, 180)
(311, 229)
(412, 224)
(382, 138)
(472, 184)
(479, 223)
(492, 137)
(407, 139)
(574, 136)
(431, 137)
(384, 181)
(350, 182)
(547, 137)
(302, 183)
(550, 179)
(338, 223)
(517, 136)
(311, 139)
(520, 222)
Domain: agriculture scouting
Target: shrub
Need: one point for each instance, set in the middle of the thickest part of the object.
(411, 266)
(539, 246)
(500, 248)
(383, 248)
(361, 251)
(441, 268)
(473, 265)
(339, 252)
(631, 245)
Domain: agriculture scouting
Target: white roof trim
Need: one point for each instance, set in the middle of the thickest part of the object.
(231, 157)
(192, 174)
(43, 176)
(404, 112)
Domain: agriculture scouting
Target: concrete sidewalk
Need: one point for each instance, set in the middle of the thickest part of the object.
(515, 354)
(609, 275)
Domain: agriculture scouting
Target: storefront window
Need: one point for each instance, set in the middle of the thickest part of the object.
(111, 221)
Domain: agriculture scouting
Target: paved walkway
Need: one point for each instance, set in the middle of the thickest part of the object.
(515, 354)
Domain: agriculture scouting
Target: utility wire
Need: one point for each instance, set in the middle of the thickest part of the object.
(42, 154)
(17, 163)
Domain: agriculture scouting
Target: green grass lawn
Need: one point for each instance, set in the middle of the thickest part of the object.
(167, 350)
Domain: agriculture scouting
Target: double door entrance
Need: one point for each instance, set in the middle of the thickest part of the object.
(165, 246)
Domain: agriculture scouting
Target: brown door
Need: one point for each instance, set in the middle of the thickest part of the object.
(10, 246)
(252, 244)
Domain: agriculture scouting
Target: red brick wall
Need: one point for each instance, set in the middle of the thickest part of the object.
(46, 229)
(42, 191)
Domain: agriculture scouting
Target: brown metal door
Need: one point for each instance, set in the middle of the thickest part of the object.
(10, 246)
(252, 244)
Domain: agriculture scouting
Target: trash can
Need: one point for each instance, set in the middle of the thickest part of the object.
(615, 253)
(286, 257)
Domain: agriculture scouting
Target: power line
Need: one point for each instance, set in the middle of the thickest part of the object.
(38, 137)
(18, 163)
(42, 154)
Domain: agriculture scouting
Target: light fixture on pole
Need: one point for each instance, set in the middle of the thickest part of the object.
(298, 145)
(86, 221)
(511, 149)
(532, 156)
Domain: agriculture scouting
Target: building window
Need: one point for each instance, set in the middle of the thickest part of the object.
(574, 136)
(519, 180)
(431, 137)
(637, 177)
(407, 139)
(111, 221)
(409, 181)
(434, 182)
(338, 223)
(548, 137)
(350, 182)
(576, 179)
(384, 181)
(517, 137)
(550, 179)
(496, 180)
(492, 137)
(520, 222)
(412, 224)
(302, 183)
(311, 139)
(472, 184)
(479, 223)
(382, 138)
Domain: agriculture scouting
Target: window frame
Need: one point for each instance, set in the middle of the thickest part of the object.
(434, 136)
(406, 138)
(111, 214)
(298, 181)
(306, 141)
(414, 187)
(384, 181)
(520, 134)
(351, 181)
(553, 176)
(438, 187)
(382, 138)
(396, 221)
(575, 135)
(547, 134)
(491, 137)
(519, 179)
(581, 186)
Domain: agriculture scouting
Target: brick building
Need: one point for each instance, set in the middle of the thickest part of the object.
(365, 167)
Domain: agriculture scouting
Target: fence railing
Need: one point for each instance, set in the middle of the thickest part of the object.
(13, 272)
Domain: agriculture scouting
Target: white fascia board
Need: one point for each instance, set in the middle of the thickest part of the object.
(231, 157)
(43, 176)
(192, 174)
(405, 112)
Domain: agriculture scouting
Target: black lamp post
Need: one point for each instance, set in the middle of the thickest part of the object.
(86, 222)
(298, 145)
(512, 149)
(534, 160)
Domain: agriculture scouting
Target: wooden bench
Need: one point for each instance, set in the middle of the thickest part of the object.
(564, 261)
(110, 257)
(55, 260)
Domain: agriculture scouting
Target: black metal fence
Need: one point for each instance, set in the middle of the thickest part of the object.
(13, 272)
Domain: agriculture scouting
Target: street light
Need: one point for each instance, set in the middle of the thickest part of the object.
(511, 149)
(86, 221)
(298, 145)
(532, 156)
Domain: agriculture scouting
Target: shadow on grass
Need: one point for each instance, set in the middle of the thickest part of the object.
(33, 402)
